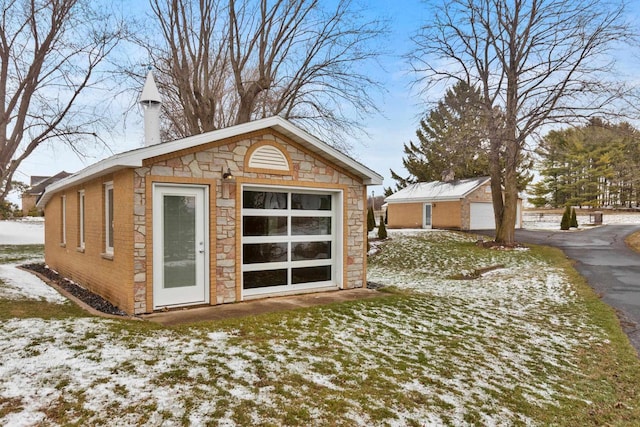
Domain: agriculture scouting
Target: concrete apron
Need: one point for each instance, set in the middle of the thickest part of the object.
(258, 306)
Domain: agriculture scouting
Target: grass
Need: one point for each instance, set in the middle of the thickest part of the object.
(633, 241)
(501, 349)
(608, 372)
(20, 253)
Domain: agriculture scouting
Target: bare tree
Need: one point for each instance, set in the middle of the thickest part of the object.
(49, 52)
(535, 61)
(224, 62)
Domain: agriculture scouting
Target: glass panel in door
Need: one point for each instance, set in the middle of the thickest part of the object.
(179, 244)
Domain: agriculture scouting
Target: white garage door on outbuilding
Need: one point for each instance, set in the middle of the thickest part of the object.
(482, 217)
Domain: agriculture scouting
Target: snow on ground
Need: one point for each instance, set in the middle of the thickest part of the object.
(27, 231)
(551, 221)
(20, 284)
(454, 351)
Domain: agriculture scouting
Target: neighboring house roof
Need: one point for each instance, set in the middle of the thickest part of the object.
(437, 190)
(41, 185)
(36, 179)
(134, 158)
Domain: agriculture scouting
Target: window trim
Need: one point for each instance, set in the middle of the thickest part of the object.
(81, 220)
(63, 220)
(108, 218)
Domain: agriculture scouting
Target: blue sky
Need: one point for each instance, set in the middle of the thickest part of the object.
(387, 132)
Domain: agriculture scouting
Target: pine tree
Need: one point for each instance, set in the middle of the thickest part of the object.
(451, 136)
(574, 218)
(382, 229)
(593, 165)
(539, 193)
(565, 223)
(371, 220)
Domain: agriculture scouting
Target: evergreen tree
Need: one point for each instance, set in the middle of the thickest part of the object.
(593, 165)
(451, 136)
(382, 229)
(371, 220)
(539, 192)
(565, 223)
(574, 218)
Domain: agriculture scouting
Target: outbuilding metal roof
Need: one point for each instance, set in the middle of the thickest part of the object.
(437, 190)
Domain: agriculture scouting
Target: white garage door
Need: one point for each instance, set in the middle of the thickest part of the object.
(482, 217)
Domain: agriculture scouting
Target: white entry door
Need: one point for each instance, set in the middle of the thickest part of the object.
(427, 216)
(180, 245)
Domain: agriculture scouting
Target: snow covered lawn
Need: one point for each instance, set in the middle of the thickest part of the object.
(542, 220)
(517, 346)
(27, 231)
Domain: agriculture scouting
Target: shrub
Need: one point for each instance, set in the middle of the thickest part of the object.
(565, 223)
(382, 230)
(371, 220)
(34, 211)
(574, 218)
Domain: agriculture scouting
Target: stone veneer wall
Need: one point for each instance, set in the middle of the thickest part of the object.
(207, 163)
(482, 194)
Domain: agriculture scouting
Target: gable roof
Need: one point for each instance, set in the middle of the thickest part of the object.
(36, 179)
(437, 190)
(44, 181)
(134, 158)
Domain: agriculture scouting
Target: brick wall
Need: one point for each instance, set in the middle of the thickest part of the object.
(482, 194)
(110, 277)
(404, 215)
(446, 214)
(28, 203)
(127, 279)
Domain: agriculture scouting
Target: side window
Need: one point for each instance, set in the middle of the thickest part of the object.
(108, 216)
(63, 220)
(81, 219)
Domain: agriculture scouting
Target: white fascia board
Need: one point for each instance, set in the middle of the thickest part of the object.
(134, 158)
(103, 167)
(288, 129)
(423, 200)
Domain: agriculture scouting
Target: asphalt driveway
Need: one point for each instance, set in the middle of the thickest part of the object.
(610, 267)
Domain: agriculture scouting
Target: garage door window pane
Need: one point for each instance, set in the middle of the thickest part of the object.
(311, 274)
(315, 202)
(310, 250)
(264, 252)
(310, 226)
(264, 226)
(264, 200)
(265, 278)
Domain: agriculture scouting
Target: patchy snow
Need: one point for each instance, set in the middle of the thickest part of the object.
(454, 350)
(20, 284)
(27, 231)
(551, 221)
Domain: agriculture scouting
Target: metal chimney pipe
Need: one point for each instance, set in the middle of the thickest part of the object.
(151, 104)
